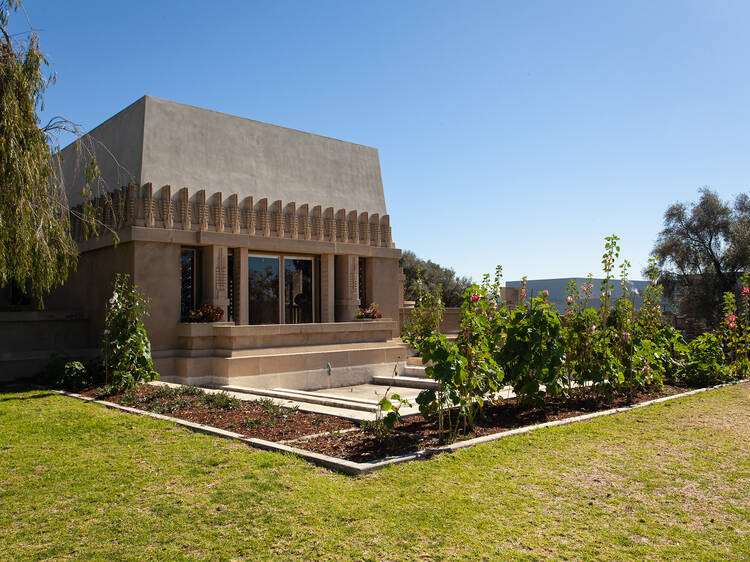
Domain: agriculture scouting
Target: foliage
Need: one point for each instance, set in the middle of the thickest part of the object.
(675, 352)
(206, 313)
(369, 312)
(587, 352)
(36, 247)
(62, 371)
(703, 248)
(534, 351)
(705, 366)
(275, 412)
(435, 278)
(467, 371)
(167, 399)
(650, 316)
(382, 426)
(735, 329)
(425, 318)
(126, 349)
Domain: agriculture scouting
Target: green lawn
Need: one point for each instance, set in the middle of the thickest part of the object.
(670, 481)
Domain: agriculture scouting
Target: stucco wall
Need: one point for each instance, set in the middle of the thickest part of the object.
(157, 275)
(382, 287)
(90, 286)
(118, 146)
(168, 143)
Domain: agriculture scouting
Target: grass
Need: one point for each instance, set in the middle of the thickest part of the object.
(670, 481)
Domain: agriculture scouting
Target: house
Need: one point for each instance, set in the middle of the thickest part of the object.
(286, 231)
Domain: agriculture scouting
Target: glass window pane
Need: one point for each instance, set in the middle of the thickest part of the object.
(263, 285)
(298, 290)
(187, 281)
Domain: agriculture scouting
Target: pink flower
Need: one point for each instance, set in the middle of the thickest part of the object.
(593, 328)
(523, 292)
(731, 325)
(568, 312)
(583, 287)
(591, 286)
(570, 299)
(731, 318)
(745, 291)
(625, 336)
(474, 297)
(545, 293)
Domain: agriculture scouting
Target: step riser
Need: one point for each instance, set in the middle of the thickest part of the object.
(414, 371)
(407, 382)
(303, 398)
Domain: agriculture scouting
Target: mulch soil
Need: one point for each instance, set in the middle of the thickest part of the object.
(260, 420)
(251, 419)
(416, 433)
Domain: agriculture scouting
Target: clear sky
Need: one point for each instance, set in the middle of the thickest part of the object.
(515, 133)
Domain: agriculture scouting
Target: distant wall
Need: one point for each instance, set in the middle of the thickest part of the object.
(558, 295)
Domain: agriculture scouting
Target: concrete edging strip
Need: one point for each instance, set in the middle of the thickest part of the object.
(357, 468)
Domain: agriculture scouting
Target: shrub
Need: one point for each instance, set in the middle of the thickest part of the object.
(705, 364)
(467, 371)
(221, 401)
(382, 427)
(425, 318)
(126, 349)
(533, 352)
(63, 372)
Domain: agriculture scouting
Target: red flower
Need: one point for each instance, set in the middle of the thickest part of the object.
(475, 297)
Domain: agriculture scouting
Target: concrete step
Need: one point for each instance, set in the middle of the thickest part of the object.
(308, 397)
(415, 371)
(405, 381)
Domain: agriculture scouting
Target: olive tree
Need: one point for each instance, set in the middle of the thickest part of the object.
(703, 249)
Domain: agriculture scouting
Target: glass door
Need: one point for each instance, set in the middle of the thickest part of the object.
(298, 290)
(263, 285)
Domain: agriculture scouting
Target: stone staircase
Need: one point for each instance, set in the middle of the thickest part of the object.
(356, 402)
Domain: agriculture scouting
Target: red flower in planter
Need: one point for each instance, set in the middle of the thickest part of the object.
(206, 313)
(372, 312)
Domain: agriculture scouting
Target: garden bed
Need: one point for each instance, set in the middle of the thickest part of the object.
(336, 437)
(416, 433)
(261, 419)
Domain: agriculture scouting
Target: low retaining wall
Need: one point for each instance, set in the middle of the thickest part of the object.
(28, 338)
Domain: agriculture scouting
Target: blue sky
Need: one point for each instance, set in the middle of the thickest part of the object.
(513, 133)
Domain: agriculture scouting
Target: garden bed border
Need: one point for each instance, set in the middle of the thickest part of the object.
(360, 468)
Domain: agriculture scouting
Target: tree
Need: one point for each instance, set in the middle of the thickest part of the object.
(36, 247)
(703, 250)
(433, 275)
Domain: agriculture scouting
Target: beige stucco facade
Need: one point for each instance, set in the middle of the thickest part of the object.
(157, 233)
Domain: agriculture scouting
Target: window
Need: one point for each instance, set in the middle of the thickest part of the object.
(189, 280)
(263, 287)
(362, 270)
(230, 285)
(282, 289)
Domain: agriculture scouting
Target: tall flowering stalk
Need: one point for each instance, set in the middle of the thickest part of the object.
(650, 316)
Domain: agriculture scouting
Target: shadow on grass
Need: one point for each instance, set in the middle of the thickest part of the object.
(21, 388)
